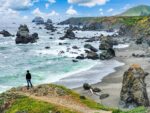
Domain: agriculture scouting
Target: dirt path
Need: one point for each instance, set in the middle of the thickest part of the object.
(65, 102)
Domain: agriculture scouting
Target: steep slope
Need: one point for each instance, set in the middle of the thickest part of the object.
(142, 10)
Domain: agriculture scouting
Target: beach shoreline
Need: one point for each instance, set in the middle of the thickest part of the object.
(112, 83)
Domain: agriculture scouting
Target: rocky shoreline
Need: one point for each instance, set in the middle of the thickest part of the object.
(112, 83)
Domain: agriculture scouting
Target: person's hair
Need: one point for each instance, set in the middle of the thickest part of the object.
(27, 71)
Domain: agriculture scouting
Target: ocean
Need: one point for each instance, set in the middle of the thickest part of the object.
(47, 65)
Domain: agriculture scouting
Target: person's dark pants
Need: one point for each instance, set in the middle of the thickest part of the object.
(29, 84)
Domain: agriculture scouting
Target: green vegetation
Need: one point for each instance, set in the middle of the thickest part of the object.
(142, 10)
(25, 104)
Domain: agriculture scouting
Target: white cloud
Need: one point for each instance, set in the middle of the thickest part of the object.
(88, 3)
(71, 11)
(37, 12)
(47, 5)
(17, 4)
(110, 10)
(100, 9)
(53, 13)
(52, 1)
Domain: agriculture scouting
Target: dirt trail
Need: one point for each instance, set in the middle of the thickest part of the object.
(65, 102)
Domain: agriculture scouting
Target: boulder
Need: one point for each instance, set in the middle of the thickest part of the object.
(74, 61)
(110, 30)
(103, 96)
(96, 90)
(5, 33)
(49, 25)
(107, 54)
(81, 57)
(106, 43)
(69, 35)
(92, 39)
(91, 55)
(49, 21)
(38, 20)
(133, 92)
(47, 47)
(75, 47)
(90, 47)
(24, 37)
(86, 86)
(139, 40)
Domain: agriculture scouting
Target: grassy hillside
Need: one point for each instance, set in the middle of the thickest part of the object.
(141, 10)
(17, 101)
(108, 20)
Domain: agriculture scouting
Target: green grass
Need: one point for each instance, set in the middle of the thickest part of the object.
(33, 106)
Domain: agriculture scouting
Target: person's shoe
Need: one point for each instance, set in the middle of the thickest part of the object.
(27, 87)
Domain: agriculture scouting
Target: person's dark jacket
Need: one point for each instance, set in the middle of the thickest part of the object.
(28, 76)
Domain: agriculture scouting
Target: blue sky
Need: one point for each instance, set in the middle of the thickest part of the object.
(62, 9)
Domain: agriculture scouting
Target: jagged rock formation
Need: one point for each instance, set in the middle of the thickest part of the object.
(38, 20)
(133, 91)
(24, 37)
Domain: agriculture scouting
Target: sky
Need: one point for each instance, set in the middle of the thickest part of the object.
(58, 10)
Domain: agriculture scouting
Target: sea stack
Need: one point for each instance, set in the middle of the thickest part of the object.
(24, 37)
(134, 91)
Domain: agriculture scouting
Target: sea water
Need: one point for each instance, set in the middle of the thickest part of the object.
(47, 65)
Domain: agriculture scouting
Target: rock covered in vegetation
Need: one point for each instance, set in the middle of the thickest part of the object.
(38, 20)
(134, 91)
(24, 37)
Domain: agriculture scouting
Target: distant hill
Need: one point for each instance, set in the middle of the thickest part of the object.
(141, 10)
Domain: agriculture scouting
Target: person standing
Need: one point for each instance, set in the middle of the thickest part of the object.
(28, 78)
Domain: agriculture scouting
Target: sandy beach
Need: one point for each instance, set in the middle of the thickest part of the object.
(112, 83)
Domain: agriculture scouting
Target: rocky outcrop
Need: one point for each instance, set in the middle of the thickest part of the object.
(24, 37)
(68, 35)
(107, 48)
(38, 20)
(49, 25)
(91, 55)
(93, 26)
(90, 47)
(107, 54)
(5, 33)
(133, 91)
(106, 43)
